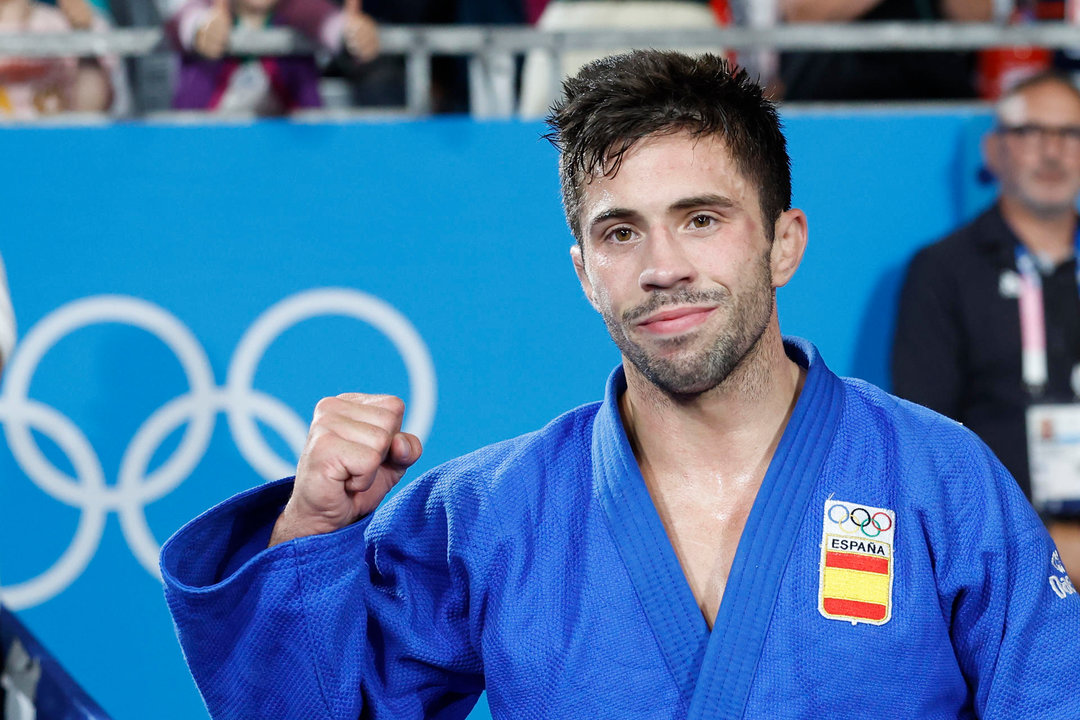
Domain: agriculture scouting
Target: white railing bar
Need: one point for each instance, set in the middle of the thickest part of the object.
(420, 41)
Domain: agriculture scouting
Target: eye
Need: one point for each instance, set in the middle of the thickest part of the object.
(621, 234)
(702, 221)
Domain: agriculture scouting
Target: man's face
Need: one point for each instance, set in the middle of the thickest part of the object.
(676, 260)
(1036, 152)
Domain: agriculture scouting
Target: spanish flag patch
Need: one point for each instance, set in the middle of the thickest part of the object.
(856, 563)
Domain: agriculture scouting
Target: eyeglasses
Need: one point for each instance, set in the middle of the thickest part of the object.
(1030, 134)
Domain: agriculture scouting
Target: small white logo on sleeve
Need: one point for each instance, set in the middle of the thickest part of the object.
(1061, 585)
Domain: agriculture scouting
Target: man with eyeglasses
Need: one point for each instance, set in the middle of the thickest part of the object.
(989, 325)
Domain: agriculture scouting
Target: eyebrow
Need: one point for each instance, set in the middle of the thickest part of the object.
(688, 203)
(615, 213)
(702, 200)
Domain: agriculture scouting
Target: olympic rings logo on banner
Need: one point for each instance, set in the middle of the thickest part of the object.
(860, 519)
(242, 404)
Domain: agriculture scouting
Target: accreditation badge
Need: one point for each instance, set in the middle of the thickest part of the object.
(1053, 435)
(856, 563)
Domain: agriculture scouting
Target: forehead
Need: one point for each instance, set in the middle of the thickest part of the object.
(1048, 103)
(660, 169)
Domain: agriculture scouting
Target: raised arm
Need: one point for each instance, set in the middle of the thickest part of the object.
(798, 11)
(846, 10)
(345, 614)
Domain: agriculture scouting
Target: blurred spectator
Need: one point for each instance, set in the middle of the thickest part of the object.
(381, 81)
(534, 9)
(1000, 68)
(209, 80)
(989, 322)
(541, 79)
(116, 98)
(852, 76)
(35, 87)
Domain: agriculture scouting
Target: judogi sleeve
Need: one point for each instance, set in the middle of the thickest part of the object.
(1009, 601)
(372, 621)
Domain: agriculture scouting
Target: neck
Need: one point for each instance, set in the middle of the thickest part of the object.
(729, 431)
(1050, 234)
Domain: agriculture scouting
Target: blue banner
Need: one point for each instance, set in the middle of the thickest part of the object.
(186, 294)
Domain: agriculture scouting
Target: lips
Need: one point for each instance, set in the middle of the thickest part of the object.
(675, 320)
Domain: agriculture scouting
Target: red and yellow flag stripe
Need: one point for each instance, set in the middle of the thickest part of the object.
(856, 586)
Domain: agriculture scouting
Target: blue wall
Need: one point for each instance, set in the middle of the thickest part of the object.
(116, 409)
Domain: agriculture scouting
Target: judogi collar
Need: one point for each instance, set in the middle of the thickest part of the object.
(714, 670)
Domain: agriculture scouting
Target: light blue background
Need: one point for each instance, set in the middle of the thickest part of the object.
(455, 223)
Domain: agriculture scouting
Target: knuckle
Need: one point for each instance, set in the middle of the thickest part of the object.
(394, 404)
(353, 397)
(326, 406)
(369, 458)
(318, 442)
(381, 436)
(328, 467)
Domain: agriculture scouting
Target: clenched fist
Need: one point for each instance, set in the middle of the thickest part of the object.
(212, 39)
(355, 452)
(360, 32)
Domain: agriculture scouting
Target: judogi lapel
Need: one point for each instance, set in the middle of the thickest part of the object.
(714, 671)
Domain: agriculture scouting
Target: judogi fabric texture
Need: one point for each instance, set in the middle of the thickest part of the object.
(539, 569)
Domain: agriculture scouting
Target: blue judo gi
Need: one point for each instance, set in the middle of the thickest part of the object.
(538, 568)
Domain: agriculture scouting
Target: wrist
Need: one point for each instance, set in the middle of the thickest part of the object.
(191, 25)
(292, 525)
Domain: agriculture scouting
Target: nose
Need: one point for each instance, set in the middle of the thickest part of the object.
(666, 263)
(1052, 145)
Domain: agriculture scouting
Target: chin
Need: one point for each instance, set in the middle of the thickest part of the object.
(1049, 207)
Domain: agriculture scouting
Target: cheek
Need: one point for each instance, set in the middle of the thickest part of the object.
(607, 274)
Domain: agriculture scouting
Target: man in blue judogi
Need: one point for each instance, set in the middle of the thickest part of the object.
(734, 531)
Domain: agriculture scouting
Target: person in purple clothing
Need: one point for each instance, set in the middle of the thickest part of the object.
(211, 80)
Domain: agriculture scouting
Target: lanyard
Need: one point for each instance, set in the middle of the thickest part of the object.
(1033, 317)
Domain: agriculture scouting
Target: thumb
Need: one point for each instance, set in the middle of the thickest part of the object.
(352, 7)
(405, 449)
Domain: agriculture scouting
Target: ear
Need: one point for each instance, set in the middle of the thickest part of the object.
(789, 244)
(582, 275)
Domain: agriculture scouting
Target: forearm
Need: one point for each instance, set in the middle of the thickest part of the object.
(183, 26)
(800, 11)
(968, 10)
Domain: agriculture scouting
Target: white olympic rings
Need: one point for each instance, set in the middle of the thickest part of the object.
(243, 405)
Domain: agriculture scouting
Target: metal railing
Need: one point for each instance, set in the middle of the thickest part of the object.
(496, 46)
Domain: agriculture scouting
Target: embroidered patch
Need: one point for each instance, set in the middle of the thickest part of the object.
(856, 563)
(1062, 586)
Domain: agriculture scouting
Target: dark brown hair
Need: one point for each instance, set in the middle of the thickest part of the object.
(615, 101)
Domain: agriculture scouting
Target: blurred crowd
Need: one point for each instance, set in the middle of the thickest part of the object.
(349, 69)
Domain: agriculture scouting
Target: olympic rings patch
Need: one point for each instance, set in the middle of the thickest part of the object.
(856, 563)
(859, 520)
